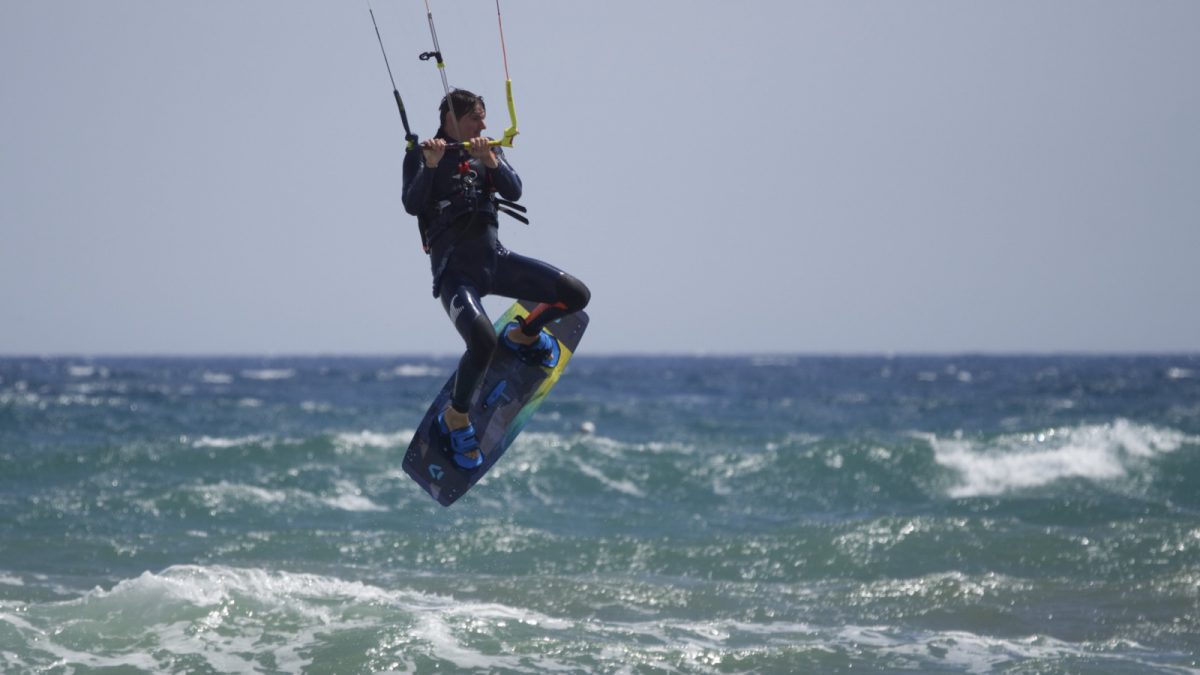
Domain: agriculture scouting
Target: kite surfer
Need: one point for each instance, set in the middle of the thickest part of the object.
(456, 183)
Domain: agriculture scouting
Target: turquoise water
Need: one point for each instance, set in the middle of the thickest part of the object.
(659, 515)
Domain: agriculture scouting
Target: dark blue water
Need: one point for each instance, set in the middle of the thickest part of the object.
(659, 515)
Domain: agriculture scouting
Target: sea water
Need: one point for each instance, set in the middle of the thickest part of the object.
(659, 515)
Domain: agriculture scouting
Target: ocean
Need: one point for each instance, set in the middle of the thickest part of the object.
(784, 514)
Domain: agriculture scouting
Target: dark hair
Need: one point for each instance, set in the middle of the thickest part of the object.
(464, 103)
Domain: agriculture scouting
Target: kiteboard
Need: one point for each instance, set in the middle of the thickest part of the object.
(503, 404)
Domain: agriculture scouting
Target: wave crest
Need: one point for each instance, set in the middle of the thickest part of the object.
(1097, 453)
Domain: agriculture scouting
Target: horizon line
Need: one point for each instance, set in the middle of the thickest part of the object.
(884, 354)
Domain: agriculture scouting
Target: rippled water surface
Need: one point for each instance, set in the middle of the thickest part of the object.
(659, 515)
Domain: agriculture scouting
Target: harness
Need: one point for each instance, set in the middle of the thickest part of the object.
(469, 194)
(473, 195)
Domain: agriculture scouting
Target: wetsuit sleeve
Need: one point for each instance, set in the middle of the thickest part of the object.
(505, 178)
(418, 183)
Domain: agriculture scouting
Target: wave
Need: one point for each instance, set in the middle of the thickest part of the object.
(1099, 453)
(230, 442)
(226, 497)
(345, 441)
(244, 619)
(802, 473)
(408, 370)
(211, 377)
(228, 619)
(268, 374)
(361, 440)
(231, 619)
(728, 482)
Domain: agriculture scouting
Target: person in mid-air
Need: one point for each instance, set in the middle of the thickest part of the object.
(452, 191)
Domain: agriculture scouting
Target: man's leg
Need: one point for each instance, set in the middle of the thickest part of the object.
(525, 278)
(465, 311)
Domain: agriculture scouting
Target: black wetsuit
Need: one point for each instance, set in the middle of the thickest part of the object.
(454, 205)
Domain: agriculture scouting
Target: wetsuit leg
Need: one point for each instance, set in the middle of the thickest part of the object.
(461, 302)
(528, 279)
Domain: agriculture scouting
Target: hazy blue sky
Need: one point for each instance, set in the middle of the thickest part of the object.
(834, 176)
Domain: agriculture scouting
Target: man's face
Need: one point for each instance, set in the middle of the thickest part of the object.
(471, 125)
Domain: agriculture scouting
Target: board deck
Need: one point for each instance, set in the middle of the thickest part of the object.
(509, 395)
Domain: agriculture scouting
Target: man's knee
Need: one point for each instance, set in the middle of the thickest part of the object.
(573, 293)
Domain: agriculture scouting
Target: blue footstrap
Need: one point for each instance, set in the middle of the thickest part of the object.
(462, 444)
(545, 352)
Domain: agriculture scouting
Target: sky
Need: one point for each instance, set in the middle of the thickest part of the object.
(828, 177)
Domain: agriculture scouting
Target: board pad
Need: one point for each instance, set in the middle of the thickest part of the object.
(510, 393)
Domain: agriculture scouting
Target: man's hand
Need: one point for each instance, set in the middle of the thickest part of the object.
(434, 149)
(483, 152)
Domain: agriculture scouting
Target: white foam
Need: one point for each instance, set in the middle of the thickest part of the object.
(727, 471)
(9, 580)
(20, 397)
(215, 586)
(268, 374)
(358, 440)
(609, 447)
(316, 406)
(442, 629)
(771, 361)
(349, 497)
(217, 442)
(81, 371)
(410, 370)
(966, 652)
(1099, 453)
(707, 643)
(353, 502)
(225, 616)
(243, 604)
(15, 620)
(624, 486)
(210, 377)
(230, 619)
(225, 496)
